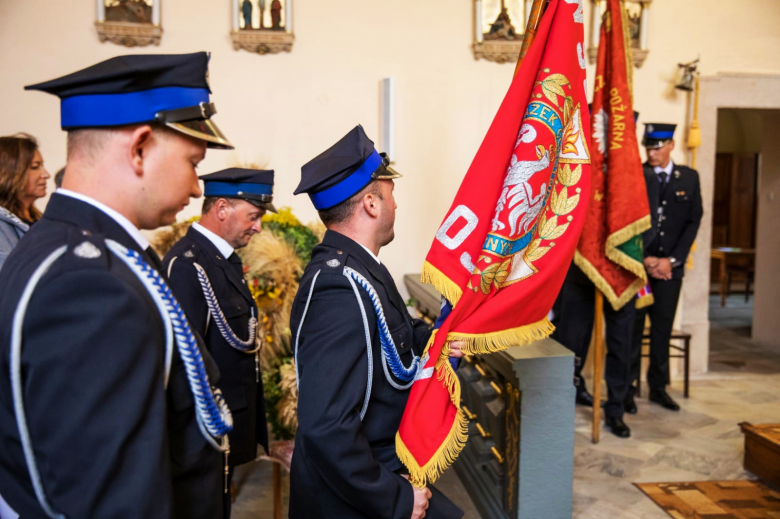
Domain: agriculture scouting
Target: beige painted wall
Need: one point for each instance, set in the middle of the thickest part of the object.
(282, 110)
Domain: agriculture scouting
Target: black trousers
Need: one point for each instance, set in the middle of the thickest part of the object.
(576, 312)
(661, 312)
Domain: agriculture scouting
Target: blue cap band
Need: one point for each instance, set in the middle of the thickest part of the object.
(232, 189)
(97, 110)
(336, 194)
(660, 135)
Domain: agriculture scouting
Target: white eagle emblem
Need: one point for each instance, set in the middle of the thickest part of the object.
(600, 130)
(518, 192)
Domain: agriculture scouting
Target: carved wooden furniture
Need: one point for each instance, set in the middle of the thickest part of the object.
(732, 261)
(280, 454)
(684, 349)
(762, 451)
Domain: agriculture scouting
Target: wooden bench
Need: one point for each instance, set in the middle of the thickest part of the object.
(684, 353)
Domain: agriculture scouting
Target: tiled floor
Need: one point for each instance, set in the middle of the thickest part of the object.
(700, 442)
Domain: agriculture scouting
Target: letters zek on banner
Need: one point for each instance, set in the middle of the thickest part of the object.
(503, 250)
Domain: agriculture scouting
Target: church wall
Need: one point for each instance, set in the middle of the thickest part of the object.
(282, 110)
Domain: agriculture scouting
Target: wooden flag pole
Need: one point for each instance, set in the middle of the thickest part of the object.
(537, 10)
(598, 364)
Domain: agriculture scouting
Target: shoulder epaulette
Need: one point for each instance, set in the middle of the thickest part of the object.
(86, 250)
(190, 252)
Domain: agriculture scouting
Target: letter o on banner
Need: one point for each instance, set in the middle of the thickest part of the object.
(456, 241)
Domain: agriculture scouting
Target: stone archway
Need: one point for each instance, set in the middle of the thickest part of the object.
(727, 90)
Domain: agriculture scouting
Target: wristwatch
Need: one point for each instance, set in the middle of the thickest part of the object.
(674, 262)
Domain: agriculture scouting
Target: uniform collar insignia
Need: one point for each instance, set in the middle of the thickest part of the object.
(87, 250)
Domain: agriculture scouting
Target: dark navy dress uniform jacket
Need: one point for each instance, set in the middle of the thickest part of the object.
(238, 375)
(342, 467)
(110, 441)
(681, 202)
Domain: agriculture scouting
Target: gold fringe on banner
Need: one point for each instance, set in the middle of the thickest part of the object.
(617, 301)
(456, 438)
(476, 343)
(446, 287)
(620, 237)
(644, 301)
(453, 444)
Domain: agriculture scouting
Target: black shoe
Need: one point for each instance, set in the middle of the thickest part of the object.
(618, 427)
(583, 397)
(661, 397)
(629, 405)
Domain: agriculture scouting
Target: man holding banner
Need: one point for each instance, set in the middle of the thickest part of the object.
(356, 349)
(609, 254)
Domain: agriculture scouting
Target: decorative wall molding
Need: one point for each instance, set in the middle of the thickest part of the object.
(129, 34)
(639, 45)
(262, 42)
(262, 26)
(498, 34)
(637, 55)
(498, 50)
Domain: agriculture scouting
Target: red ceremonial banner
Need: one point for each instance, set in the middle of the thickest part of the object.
(503, 250)
(610, 251)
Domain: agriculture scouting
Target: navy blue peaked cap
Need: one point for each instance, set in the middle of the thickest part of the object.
(656, 134)
(167, 89)
(253, 185)
(343, 170)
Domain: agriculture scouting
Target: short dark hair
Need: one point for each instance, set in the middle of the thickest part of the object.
(342, 212)
(59, 176)
(209, 202)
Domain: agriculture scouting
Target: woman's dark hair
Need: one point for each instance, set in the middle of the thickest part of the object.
(16, 155)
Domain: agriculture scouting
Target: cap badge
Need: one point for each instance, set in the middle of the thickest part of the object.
(333, 263)
(650, 128)
(188, 254)
(87, 251)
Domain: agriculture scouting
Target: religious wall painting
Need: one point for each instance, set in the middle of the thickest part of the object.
(131, 23)
(498, 29)
(262, 26)
(637, 17)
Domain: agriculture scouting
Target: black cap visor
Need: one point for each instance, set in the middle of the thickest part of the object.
(203, 129)
(196, 122)
(261, 201)
(385, 173)
(654, 143)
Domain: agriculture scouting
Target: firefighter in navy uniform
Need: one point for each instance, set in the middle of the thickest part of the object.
(679, 211)
(207, 277)
(350, 403)
(574, 317)
(98, 417)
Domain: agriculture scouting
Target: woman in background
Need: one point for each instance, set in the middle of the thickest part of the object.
(22, 181)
